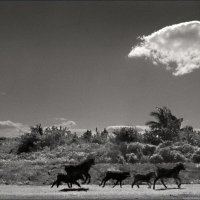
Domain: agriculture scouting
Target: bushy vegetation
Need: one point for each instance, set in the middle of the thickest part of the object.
(38, 138)
(164, 144)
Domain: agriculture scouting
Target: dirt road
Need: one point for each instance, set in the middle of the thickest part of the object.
(95, 192)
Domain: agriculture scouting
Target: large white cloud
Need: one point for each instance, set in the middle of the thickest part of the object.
(176, 46)
(12, 129)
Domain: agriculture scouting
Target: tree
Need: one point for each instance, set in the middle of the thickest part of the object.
(150, 137)
(87, 136)
(37, 129)
(189, 135)
(127, 135)
(166, 126)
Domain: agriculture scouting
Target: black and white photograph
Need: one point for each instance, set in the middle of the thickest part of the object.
(99, 100)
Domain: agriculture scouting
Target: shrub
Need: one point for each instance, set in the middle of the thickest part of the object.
(177, 157)
(51, 140)
(144, 159)
(186, 149)
(123, 147)
(28, 142)
(135, 148)
(165, 144)
(113, 155)
(179, 143)
(39, 139)
(196, 156)
(156, 158)
(148, 150)
(87, 136)
(169, 155)
(131, 158)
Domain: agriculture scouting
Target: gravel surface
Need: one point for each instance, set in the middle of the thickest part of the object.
(89, 192)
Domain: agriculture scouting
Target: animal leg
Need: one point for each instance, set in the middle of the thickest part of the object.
(101, 183)
(162, 181)
(58, 183)
(89, 177)
(54, 183)
(154, 183)
(77, 183)
(120, 184)
(134, 182)
(104, 181)
(69, 185)
(85, 179)
(149, 183)
(115, 183)
(179, 184)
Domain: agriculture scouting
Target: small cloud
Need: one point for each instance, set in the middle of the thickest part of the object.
(12, 129)
(3, 93)
(61, 119)
(64, 122)
(68, 124)
(177, 47)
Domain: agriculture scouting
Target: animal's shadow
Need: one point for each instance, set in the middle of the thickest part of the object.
(174, 188)
(74, 189)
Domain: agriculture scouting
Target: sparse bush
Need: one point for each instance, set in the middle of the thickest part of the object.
(156, 158)
(132, 158)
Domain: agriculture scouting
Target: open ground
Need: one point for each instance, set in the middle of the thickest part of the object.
(11, 192)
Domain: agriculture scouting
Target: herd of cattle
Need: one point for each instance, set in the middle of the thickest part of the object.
(81, 172)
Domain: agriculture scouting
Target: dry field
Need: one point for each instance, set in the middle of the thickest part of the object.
(95, 192)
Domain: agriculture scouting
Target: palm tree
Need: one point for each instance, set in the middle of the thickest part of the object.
(167, 125)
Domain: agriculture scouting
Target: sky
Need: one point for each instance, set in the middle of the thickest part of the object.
(87, 64)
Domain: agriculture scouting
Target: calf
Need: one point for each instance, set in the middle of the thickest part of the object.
(143, 178)
(67, 179)
(169, 173)
(118, 176)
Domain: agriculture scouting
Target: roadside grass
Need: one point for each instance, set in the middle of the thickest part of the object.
(35, 172)
(32, 168)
